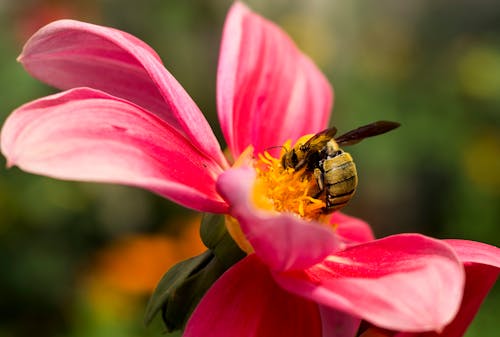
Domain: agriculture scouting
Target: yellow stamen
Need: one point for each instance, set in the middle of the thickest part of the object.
(279, 189)
(284, 189)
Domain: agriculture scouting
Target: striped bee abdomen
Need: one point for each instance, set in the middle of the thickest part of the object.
(339, 179)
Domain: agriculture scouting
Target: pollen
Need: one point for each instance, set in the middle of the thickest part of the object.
(284, 189)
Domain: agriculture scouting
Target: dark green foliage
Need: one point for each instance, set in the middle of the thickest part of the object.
(183, 286)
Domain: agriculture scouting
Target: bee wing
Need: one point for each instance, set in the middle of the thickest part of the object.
(370, 130)
(315, 144)
(319, 140)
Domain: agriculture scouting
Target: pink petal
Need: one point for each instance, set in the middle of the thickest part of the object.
(481, 271)
(68, 54)
(351, 229)
(83, 134)
(267, 90)
(404, 282)
(246, 302)
(283, 241)
(482, 267)
(476, 252)
(479, 280)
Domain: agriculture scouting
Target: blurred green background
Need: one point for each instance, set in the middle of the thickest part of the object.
(80, 259)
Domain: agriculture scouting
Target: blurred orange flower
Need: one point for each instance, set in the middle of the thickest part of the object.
(135, 264)
(30, 17)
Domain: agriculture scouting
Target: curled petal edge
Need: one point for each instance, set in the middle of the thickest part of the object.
(283, 241)
(405, 282)
(88, 135)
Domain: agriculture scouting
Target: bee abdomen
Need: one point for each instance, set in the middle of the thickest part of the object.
(340, 180)
(335, 202)
(333, 205)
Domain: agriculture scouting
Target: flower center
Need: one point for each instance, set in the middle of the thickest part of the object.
(285, 189)
(280, 189)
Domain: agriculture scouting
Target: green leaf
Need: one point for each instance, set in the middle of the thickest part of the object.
(212, 229)
(216, 237)
(179, 306)
(172, 280)
(183, 286)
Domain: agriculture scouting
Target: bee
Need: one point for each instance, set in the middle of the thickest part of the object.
(332, 167)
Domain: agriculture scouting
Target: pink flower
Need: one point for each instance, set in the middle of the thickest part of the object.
(124, 119)
(407, 281)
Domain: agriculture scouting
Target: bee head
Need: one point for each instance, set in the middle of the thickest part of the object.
(290, 159)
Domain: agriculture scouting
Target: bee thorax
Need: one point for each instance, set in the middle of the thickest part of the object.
(332, 149)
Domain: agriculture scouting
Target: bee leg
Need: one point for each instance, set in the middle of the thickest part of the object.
(319, 179)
